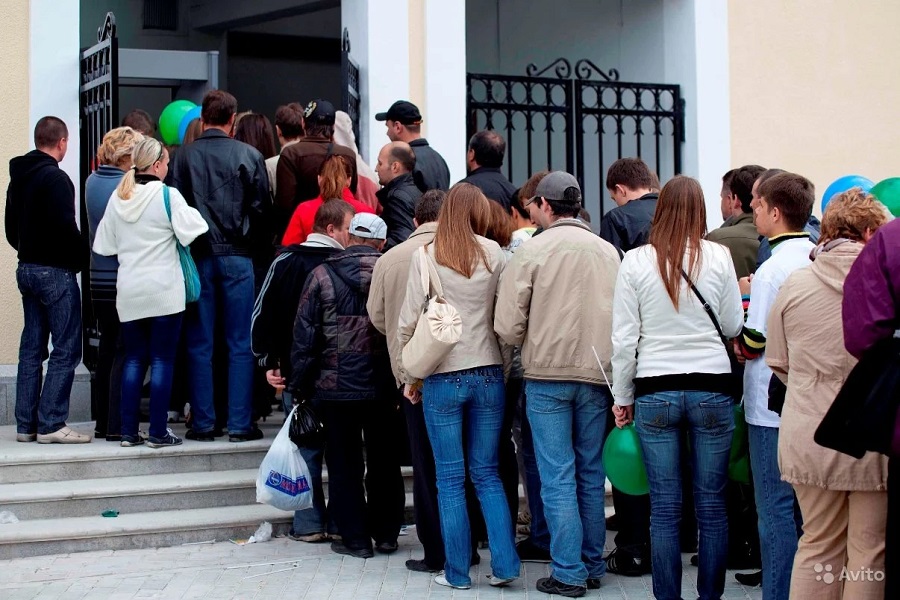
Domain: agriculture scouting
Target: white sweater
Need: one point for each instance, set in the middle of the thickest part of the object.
(138, 231)
(651, 338)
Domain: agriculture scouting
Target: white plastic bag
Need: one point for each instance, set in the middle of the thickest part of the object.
(283, 480)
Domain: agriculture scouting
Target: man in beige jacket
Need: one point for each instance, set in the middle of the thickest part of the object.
(555, 300)
(386, 296)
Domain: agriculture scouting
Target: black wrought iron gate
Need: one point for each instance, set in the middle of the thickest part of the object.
(98, 103)
(579, 124)
(350, 87)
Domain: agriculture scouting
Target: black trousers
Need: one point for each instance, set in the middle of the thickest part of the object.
(366, 496)
(892, 533)
(425, 500)
(508, 465)
(106, 387)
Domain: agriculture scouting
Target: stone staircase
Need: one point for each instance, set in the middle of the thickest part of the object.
(197, 492)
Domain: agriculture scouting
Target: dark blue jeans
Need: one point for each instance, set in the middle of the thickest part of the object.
(226, 285)
(709, 420)
(473, 401)
(51, 302)
(153, 343)
(540, 535)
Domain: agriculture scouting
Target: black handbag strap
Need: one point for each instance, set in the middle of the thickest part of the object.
(706, 307)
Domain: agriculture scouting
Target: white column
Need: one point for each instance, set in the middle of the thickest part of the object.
(696, 57)
(54, 73)
(445, 82)
(379, 43)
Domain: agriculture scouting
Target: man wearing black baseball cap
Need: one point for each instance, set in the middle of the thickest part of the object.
(297, 173)
(404, 124)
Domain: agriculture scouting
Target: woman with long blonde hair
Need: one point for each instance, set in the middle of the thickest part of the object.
(142, 224)
(464, 398)
(671, 372)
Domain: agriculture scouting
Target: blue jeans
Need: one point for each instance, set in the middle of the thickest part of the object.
(51, 302)
(310, 520)
(469, 405)
(778, 520)
(568, 424)
(151, 342)
(540, 535)
(226, 284)
(709, 420)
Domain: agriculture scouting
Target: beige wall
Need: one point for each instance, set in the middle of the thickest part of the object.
(417, 57)
(14, 140)
(814, 87)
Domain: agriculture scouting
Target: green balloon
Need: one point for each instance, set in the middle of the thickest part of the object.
(623, 461)
(739, 443)
(170, 119)
(739, 470)
(888, 193)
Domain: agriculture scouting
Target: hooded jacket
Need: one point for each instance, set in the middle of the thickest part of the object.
(398, 200)
(804, 348)
(337, 353)
(40, 214)
(271, 330)
(150, 282)
(226, 180)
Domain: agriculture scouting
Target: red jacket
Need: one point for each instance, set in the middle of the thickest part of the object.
(301, 224)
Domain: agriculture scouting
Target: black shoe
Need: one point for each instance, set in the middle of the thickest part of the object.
(113, 437)
(528, 552)
(476, 559)
(749, 579)
(420, 566)
(612, 522)
(386, 547)
(170, 439)
(200, 436)
(625, 565)
(99, 435)
(218, 432)
(340, 548)
(593, 583)
(254, 434)
(127, 441)
(549, 585)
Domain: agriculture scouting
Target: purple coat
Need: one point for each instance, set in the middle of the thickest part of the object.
(871, 308)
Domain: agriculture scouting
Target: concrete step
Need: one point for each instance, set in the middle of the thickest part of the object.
(138, 530)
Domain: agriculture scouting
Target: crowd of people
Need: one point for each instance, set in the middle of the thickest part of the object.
(312, 275)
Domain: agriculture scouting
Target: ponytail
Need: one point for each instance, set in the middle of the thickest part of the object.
(335, 172)
(146, 153)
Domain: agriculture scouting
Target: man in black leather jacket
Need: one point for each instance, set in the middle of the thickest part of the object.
(226, 181)
(404, 124)
(398, 197)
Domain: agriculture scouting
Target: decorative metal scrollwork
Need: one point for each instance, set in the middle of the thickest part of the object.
(563, 69)
(585, 69)
(108, 29)
(345, 41)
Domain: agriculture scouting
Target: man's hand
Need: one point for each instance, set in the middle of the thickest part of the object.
(744, 283)
(738, 354)
(412, 393)
(273, 376)
(623, 414)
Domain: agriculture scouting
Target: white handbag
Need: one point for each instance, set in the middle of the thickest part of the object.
(439, 328)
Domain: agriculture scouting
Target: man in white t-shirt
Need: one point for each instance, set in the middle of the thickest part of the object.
(781, 210)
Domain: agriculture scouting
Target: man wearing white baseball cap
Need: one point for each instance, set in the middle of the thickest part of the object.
(341, 364)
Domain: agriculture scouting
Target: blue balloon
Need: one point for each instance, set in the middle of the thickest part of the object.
(839, 186)
(189, 116)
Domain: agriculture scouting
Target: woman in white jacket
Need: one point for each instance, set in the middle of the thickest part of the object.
(150, 294)
(671, 372)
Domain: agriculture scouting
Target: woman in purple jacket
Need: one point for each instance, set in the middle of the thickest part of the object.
(871, 313)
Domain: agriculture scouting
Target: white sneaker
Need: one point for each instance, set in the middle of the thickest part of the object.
(500, 582)
(440, 579)
(64, 435)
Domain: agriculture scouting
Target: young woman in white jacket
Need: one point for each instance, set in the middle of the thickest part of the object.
(150, 294)
(671, 373)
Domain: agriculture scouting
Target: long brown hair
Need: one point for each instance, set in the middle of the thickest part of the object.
(501, 228)
(334, 173)
(677, 228)
(464, 214)
(256, 130)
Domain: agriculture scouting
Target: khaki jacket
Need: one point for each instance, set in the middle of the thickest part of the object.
(740, 236)
(389, 288)
(555, 300)
(805, 349)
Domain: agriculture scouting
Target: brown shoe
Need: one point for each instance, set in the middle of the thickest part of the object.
(64, 435)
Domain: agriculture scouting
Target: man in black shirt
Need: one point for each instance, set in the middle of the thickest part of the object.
(630, 184)
(485, 157)
(404, 124)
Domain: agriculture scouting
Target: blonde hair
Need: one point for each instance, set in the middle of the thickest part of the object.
(850, 214)
(117, 145)
(146, 153)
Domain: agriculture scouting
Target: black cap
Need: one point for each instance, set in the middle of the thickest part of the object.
(402, 112)
(320, 112)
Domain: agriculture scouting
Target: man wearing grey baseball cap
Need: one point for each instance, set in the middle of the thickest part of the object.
(555, 301)
(340, 362)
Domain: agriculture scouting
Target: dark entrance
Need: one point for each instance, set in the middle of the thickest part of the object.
(579, 124)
